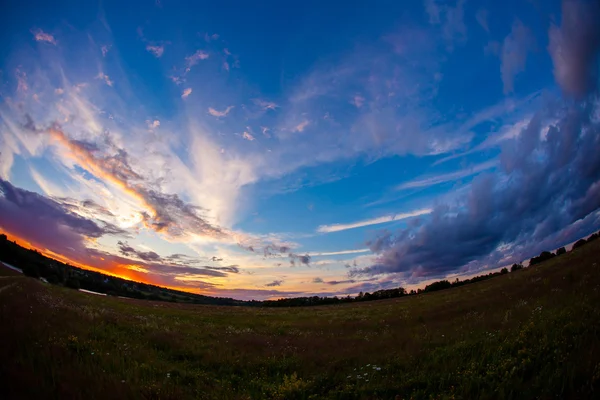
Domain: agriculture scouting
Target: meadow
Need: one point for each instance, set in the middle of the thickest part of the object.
(532, 333)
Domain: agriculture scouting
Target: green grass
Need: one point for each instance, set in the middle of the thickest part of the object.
(529, 334)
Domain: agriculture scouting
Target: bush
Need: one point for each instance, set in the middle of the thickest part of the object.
(516, 267)
(579, 243)
(31, 270)
(560, 251)
(73, 283)
(504, 271)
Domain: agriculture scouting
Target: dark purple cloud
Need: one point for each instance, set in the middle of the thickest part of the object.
(574, 47)
(47, 222)
(548, 185)
(302, 259)
(274, 283)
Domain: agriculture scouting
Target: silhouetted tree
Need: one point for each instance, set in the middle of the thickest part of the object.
(504, 271)
(73, 283)
(579, 243)
(516, 267)
(560, 251)
(31, 270)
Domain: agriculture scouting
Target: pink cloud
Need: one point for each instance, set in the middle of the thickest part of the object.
(41, 36)
(186, 93)
(22, 86)
(226, 66)
(216, 113)
(265, 105)
(192, 60)
(248, 136)
(300, 127)
(105, 78)
(208, 37)
(153, 124)
(157, 51)
(358, 101)
(105, 49)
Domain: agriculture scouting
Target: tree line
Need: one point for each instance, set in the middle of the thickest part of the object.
(36, 265)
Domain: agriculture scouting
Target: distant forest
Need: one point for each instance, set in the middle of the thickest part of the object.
(36, 265)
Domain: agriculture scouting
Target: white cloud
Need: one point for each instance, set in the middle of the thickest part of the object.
(226, 66)
(373, 221)
(248, 136)
(216, 113)
(186, 93)
(447, 177)
(337, 253)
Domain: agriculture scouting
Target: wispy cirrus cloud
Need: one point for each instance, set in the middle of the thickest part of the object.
(447, 177)
(372, 221)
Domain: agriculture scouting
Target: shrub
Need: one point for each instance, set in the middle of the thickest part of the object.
(73, 283)
(516, 267)
(579, 243)
(31, 270)
(560, 251)
(504, 271)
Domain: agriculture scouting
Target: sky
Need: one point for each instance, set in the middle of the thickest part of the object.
(272, 149)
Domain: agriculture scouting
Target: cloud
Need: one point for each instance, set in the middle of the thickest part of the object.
(450, 18)
(105, 78)
(300, 127)
(46, 222)
(208, 38)
(373, 221)
(547, 187)
(226, 66)
(216, 113)
(358, 101)
(157, 50)
(248, 136)
(513, 54)
(41, 36)
(186, 92)
(192, 60)
(482, 19)
(447, 177)
(574, 47)
(338, 253)
(301, 258)
(105, 49)
(274, 283)
(22, 85)
(153, 124)
(333, 283)
(317, 280)
(265, 105)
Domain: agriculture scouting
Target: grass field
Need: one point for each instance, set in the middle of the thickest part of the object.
(533, 333)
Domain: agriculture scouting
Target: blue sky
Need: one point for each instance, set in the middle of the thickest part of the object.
(282, 149)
